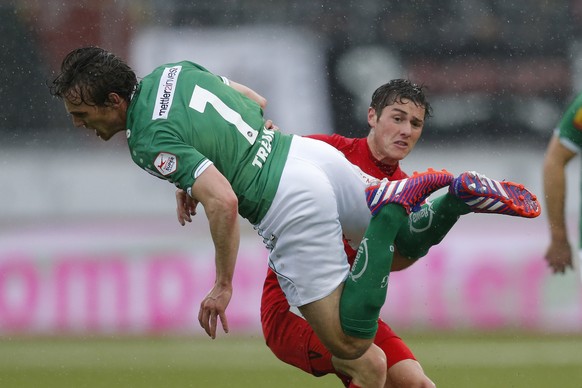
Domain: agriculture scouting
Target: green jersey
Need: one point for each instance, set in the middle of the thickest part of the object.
(570, 127)
(183, 118)
(570, 133)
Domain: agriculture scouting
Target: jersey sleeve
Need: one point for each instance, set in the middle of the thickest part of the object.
(570, 127)
(171, 159)
(333, 140)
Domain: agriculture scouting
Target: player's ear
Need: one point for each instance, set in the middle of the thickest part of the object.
(372, 118)
(114, 99)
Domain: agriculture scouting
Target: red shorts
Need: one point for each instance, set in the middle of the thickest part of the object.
(293, 341)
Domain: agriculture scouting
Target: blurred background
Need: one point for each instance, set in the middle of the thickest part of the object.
(89, 244)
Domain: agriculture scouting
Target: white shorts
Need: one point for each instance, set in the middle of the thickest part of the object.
(320, 198)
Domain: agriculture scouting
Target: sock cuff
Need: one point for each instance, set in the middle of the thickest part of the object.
(365, 329)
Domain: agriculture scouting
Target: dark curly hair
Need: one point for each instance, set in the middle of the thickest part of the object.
(397, 90)
(89, 74)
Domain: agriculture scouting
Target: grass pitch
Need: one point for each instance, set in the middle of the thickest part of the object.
(465, 360)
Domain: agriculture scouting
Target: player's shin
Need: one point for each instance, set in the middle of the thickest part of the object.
(365, 289)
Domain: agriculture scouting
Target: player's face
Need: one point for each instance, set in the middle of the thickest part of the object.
(106, 121)
(395, 131)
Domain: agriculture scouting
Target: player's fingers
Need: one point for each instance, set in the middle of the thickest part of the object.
(213, 321)
(191, 209)
(564, 265)
(179, 214)
(224, 322)
(181, 208)
(270, 125)
(184, 213)
(183, 218)
(203, 319)
(559, 268)
(191, 206)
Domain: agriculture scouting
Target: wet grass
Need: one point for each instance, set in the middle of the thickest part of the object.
(462, 360)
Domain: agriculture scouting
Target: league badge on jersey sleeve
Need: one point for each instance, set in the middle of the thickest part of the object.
(166, 163)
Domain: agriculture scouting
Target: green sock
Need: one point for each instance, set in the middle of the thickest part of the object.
(429, 226)
(365, 289)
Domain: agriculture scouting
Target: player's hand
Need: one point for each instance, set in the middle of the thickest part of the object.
(559, 256)
(185, 207)
(213, 308)
(270, 125)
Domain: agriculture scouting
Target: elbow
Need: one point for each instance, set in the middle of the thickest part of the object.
(231, 203)
(226, 204)
(262, 102)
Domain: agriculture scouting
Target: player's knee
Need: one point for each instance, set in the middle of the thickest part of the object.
(408, 374)
(428, 383)
(420, 382)
(350, 348)
(366, 371)
(373, 373)
(377, 363)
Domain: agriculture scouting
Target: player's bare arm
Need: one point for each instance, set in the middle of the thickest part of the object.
(250, 93)
(220, 204)
(559, 253)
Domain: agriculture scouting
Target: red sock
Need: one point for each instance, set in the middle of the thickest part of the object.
(352, 385)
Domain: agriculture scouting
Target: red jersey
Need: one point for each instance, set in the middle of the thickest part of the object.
(358, 152)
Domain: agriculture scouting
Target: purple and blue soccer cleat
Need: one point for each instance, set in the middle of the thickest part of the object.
(485, 195)
(409, 192)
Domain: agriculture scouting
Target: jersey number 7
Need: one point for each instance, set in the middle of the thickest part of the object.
(201, 97)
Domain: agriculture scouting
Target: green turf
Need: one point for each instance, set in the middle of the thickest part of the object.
(467, 360)
(500, 360)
